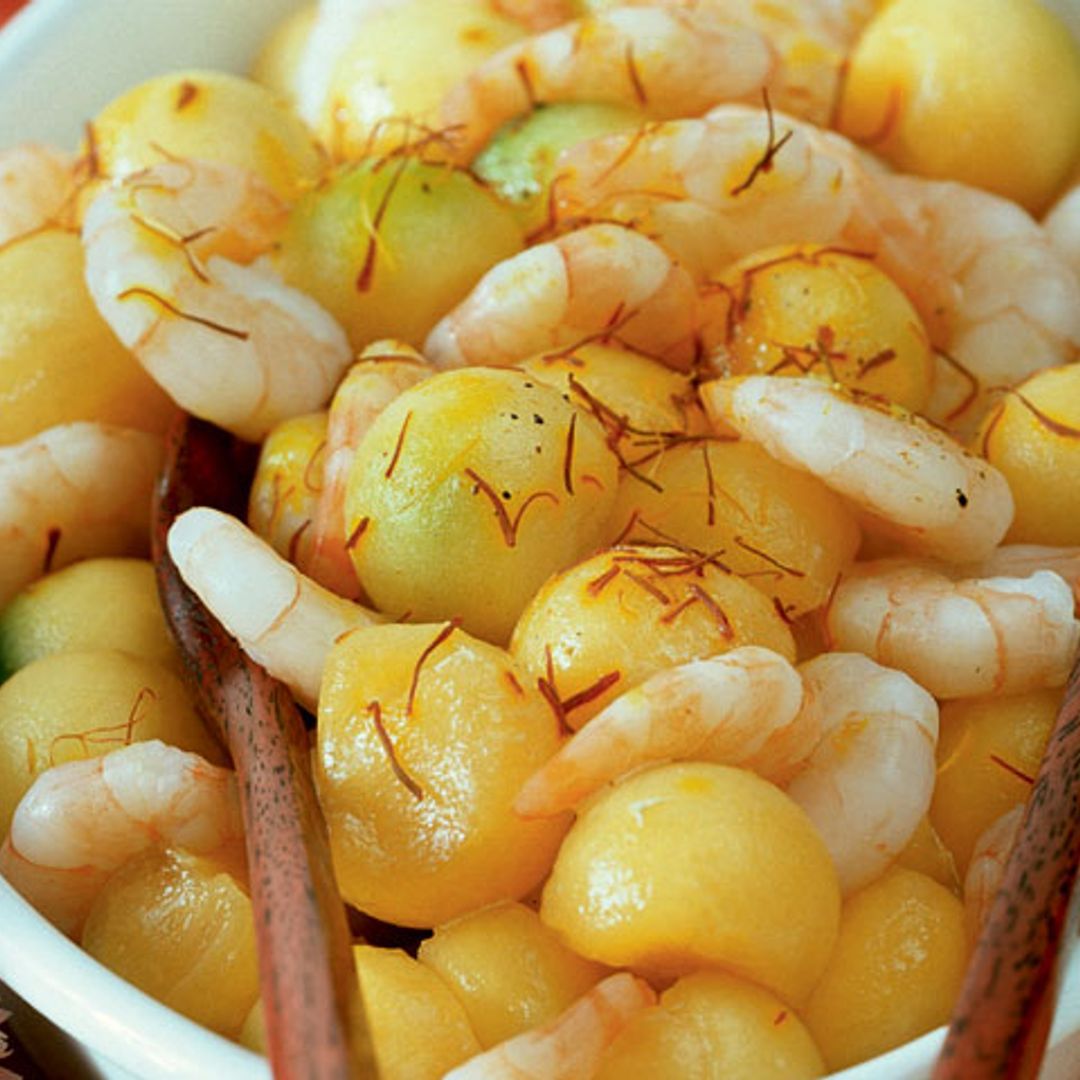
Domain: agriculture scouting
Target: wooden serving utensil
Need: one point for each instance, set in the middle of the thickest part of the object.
(1001, 1022)
(309, 989)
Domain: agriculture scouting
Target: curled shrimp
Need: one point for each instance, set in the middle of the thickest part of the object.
(288, 624)
(1062, 226)
(383, 371)
(1005, 635)
(745, 708)
(987, 868)
(70, 492)
(1022, 560)
(869, 781)
(570, 1046)
(912, 480)
(81, 821)
(1016, 303)
(715, 189)
(602, 281)
(230, 343)
(665, 62)
(36, 188)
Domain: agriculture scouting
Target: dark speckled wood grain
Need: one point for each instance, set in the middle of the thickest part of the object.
(1002, 1019)
(306, 971)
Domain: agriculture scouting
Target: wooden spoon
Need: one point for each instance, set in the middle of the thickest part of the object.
(1001, 1022)
(306, 971)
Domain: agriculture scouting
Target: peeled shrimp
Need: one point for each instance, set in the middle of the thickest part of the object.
(230, 343)
(1062, 226)
(666, 62)
(600, 281)
(987, 867)
(73, 491)
(1016, 308)
(1000, 635)
(745, 708)
(383, 370)
(739, 180)
(282, 620)
(912, 480)
(1022, 560)
(36, 188)
(570, 1047)
(868, 783)
(81, 821)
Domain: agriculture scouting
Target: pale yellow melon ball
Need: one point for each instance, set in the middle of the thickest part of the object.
(697, 865)
(987, 93)
(181, 928)
(895, 971)
(509, 970)
(714, 1025)
(277, 67)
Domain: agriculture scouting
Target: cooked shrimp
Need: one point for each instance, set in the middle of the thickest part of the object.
(666, 62)
(73, 491)
(1062, 225)
(230, 343)
(717, 189)
(571, 1045)
(36, 187)
(744, 708)
(1017, 302)
(81, 821)
(383, 370)
(911, 480)
(1001, 635)
(1022, 560)
(600, 282)
(869, 782)
(987, 867)
(281, 619)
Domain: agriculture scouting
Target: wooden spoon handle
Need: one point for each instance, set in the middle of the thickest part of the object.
(307, 976)
(1001, 1022)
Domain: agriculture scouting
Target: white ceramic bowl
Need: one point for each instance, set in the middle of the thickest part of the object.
(60, 62)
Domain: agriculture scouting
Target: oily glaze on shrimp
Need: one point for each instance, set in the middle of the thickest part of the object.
(869, 781)
(912, 480)
(665, 62)
(36, 188)
(82, 820)
(571, 1045)
(746, 708)
(230, 343)
(73, 491)
(383, 370)
(288, 623)
(600, 282)
(1005, 635)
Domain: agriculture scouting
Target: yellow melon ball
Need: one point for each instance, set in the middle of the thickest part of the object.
(710, 1025)
(387, 87)
(59, 361)
(468, 491)
(895, 971)
(389, 247)
(287, 484)
(781, 529)
(641, 402)
(1033, 437)
(180, 927)
(81, 704)
(987, 94)
(988, 753)
(607, 624)
(277, 67)
(807, 308)
(419, 1030)
(95, 604)
(509, 970)
(697, 865)
(425, 737)
(210, 116)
